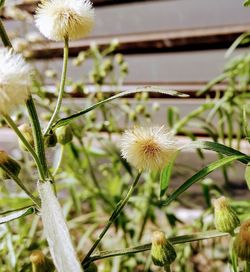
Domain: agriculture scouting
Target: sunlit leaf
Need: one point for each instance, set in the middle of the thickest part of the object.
(149, 89)
(200, 175)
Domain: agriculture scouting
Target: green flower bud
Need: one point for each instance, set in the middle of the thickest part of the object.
(41, 263)
(241, 243)
(107, 66)
(226, 219)
(124, 68)
(91, 268)
(64, 135)
(119, 58)
(162, 251)
(7, 163)
(50, 140)
(28, 135)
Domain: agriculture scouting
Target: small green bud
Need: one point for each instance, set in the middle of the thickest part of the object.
(41, 263)
(64, 135)
(226, 219)
(241, 243)
(6, 162)
(124, 68)
(28, 135)
(50, 140)
(91, 268)
(119, 58)
(162, 251)
(107, 65)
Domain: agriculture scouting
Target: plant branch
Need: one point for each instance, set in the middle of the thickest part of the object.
(4, 35)
(20, 184)
(37, 133)
(13, 125)
(113, 217)
(62, 86)
(174, 240)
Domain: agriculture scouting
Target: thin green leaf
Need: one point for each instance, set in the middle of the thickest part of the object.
(213, 82)
(246, 3)
(237, 42)
(150, 89)
(245, 123)
(200, 175)
(12, 215)
(165, 177)
(221, 149)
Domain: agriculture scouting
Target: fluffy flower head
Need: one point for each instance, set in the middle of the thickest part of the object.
(148, 148)
(60, 19)
(14, 80)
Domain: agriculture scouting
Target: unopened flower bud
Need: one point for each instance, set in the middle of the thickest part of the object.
(107, 66)
(242, 242)
(119, 58)
(28, 135)
(40, 263)
(64, 135)
(124, 68)
(50, 140)
(226, 219)
(8, 164)
(162, 251)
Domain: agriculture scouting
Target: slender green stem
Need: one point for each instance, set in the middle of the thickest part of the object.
(4, 35)
(13, 125)
(113, 217)
(174, 240)
(247, 266)
(167, 268)
(21, 185)
(93, 176)
(37, 133)
(62, 86)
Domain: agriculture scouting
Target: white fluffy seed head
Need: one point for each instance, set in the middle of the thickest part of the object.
(60, 19)
(148, 148)
(15, 80)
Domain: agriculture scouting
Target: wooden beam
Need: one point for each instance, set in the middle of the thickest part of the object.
(31, 5)
(192, 39)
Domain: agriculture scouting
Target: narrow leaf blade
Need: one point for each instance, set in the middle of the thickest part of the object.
(200, 175)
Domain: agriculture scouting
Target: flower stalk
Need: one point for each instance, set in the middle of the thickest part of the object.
(37, 133)
(113, 217)
(62, 86)
(13, 125)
